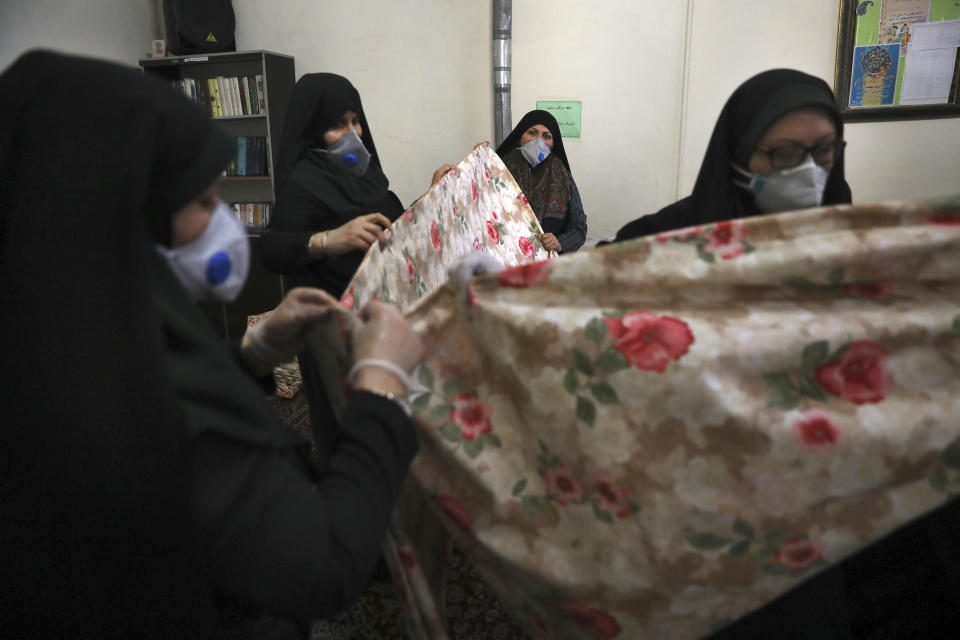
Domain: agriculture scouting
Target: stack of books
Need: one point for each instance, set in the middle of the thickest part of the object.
(253, 214)
(250, 158)
(226, 96)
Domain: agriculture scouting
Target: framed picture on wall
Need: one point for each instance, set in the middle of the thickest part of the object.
(898, 59)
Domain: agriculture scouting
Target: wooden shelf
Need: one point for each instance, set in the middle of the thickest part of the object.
(254, 116)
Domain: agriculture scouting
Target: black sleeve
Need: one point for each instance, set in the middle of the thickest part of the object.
(277, 541)
(635, 229)
(297, 215)
(576, 232)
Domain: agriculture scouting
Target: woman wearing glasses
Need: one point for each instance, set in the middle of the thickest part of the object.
(777, 146)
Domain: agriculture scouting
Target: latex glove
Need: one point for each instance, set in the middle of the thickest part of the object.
(279, 337)
(472, 264)
(380, 332)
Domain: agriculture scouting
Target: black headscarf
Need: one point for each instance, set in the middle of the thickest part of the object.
(750, 111)
(95, 523)
(541, 117)
(318, 101)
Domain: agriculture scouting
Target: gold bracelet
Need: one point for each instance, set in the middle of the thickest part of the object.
(323, 242)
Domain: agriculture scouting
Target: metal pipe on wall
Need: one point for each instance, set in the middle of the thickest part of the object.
(502, 33)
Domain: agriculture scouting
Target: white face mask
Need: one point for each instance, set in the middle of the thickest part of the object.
(535, 151)
(798, 187)
(214, 265)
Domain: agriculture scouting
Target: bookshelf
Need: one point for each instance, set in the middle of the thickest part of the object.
(255, 112)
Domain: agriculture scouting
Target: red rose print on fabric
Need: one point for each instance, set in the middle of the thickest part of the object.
(613, 498)
(494, 214)
(471, 415)
(816, 430)
(648, 341)
(347, 300)
(492, 232)
(411, 272)
(477, 246)
(525, 275)
(798, 554)
(594, 622)
(527, 247)
(473, 185)
(564, 486)
(859, 375)
(435, 235)
(725, 239)
(486, 172)
(945, 219)
(871, 290)
(455, 511)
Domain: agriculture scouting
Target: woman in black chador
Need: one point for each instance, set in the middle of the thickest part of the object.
(147, 489)
(333, 202)
(534, 154)
(777, 146)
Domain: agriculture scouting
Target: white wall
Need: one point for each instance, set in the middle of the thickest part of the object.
(119, 30)
(732, 40)
(623, 59)
(422, 68)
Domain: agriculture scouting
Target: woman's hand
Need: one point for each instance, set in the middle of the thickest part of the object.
(550, 242)
(279, 337)
(442, 171)
(381, 333)
(359, 233)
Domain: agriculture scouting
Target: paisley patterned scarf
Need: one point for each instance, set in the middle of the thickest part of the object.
(546, 186)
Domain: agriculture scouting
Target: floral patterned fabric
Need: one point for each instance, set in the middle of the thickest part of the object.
(652, 439)
(475, 207)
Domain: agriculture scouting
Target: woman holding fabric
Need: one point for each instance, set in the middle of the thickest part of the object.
(333, 202)
(777, 146)
(148, 491)
(534, 154)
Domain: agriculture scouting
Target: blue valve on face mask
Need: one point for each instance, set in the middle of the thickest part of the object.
(535, 151)
(349, 153)
(214, 265)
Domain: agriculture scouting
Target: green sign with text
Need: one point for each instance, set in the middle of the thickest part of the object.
(567, 113)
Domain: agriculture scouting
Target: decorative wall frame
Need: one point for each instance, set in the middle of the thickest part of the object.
(880, 76)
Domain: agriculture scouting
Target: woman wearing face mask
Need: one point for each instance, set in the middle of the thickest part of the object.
(147, 490)
(777, 146)
(534, 154)
(333, 202)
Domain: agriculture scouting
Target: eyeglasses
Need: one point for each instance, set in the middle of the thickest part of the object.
(789, 157)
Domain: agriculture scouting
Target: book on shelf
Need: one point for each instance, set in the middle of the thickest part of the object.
(235, 93)
(245, 95)
(260, 94)
(253, 214)
(254, 96)
(249, 158)
(225, 96)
